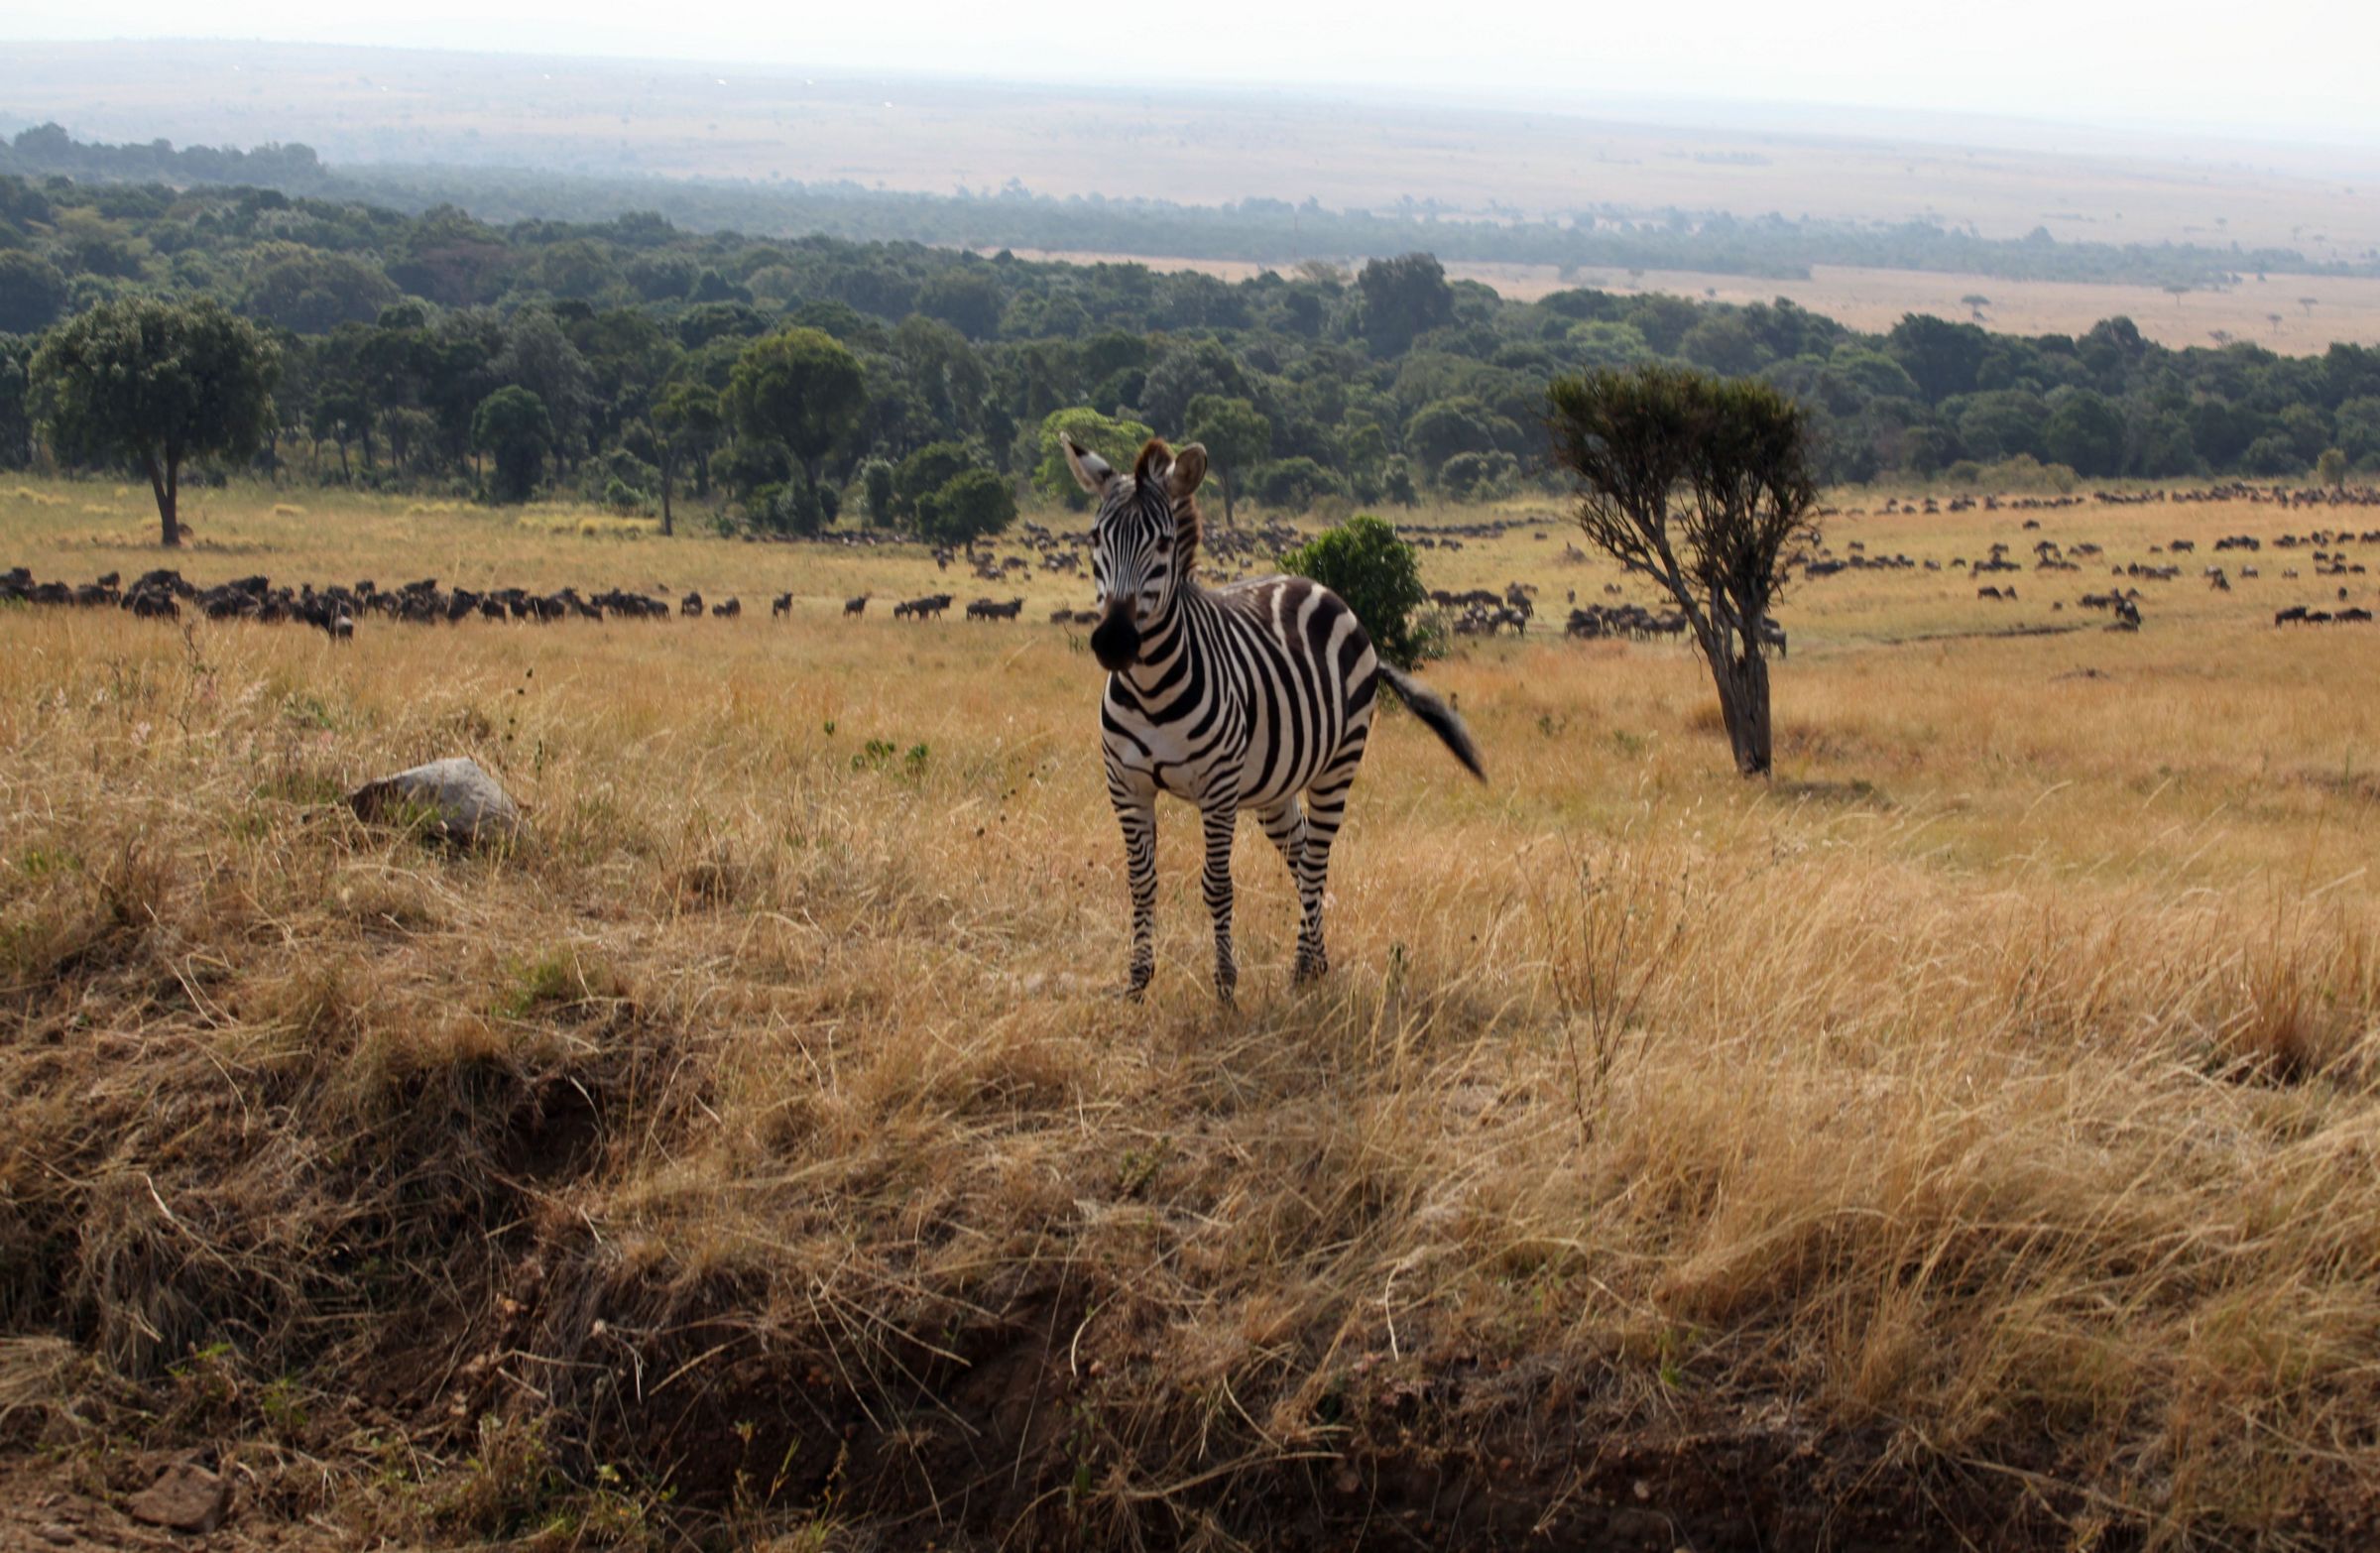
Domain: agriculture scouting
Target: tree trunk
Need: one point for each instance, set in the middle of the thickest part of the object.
(167, 484)
(1742, 684)
(1229, 522)
(668, 529)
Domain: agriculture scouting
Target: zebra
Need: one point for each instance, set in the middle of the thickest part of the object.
(1238, 697)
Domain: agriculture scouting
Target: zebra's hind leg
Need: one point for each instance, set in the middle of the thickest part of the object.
(1221, 818)
(1326, 807)
(1285, 827)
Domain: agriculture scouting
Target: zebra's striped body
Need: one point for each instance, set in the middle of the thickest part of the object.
(1254, 697)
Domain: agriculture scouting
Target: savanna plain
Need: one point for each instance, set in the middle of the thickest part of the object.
(1965, 1138)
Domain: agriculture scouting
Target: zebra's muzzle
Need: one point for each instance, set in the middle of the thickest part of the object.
(1115, 641)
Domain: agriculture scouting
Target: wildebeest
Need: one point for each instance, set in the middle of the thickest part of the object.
(729, 610)
(854, 606)
(991, 608)
(780, 606)
(691, 604)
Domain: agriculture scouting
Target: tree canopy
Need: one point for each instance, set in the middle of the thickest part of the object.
(801, 388)
(1700, 484)
(156, 382)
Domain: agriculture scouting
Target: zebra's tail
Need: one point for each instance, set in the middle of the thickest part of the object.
(1440, 717)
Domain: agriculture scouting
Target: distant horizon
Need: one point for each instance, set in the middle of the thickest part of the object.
(1744, 79)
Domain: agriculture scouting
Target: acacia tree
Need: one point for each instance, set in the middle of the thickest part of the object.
(1701, 484)
(156, 382)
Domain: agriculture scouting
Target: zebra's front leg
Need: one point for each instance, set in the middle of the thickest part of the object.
(1138, 814)
(1221, 817)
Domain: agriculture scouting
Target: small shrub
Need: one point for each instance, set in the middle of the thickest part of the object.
(1377, 573)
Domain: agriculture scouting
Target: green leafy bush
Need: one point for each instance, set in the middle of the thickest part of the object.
(1377, 575)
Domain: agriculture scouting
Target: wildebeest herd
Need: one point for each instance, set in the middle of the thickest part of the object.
(337, 609)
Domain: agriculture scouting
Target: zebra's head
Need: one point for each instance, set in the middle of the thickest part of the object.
(1143, 543)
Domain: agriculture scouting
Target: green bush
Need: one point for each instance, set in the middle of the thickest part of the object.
(1377, 575)
(972, 505)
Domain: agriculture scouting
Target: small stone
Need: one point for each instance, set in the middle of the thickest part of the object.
(184, 1498)
(452, 798)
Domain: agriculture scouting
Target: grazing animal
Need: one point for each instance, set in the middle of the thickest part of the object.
(783, 605)
(729, 610)
(850, 607)
(1238, 697)
(690, 605)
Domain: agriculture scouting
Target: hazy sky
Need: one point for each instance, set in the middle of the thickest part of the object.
(2285, 67)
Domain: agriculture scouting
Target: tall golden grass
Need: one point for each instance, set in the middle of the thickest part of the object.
(1968, 1132)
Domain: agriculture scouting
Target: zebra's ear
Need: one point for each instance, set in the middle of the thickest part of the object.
(1091, 471)
(1188, 471)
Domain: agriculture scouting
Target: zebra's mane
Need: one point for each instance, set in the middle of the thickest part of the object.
(1153, 475)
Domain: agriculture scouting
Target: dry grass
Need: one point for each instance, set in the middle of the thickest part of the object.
(1971, 1131)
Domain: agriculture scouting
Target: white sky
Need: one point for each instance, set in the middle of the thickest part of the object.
(2284, 69)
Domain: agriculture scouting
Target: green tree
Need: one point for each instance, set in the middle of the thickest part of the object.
(1236, 437)
(512, 425)
(972, 505)
(157, 383)
(686, 425)
(312, 290)
(1378, 575)
(1942, 357)
(1293, 484)
(1700, 484)
(1403, 298)
(1463, 425)
(1116, 441)
(969, 299)
(876, 480)
(2087, 430)
(32, 292)
(16, 402)
(802, 388)
(2331, 468)
(926, 471)
(1479, 477)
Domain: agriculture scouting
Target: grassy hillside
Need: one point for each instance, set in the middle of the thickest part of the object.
(1967, 1133)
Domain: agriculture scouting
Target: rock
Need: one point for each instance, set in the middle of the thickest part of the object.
(184, 1498)
(451, 798)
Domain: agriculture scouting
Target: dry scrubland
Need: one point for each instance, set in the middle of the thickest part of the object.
(1972, 1131)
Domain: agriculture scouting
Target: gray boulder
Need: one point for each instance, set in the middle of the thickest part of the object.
(453, 799)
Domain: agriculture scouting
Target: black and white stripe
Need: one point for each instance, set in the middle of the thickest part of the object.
(1250, 697)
